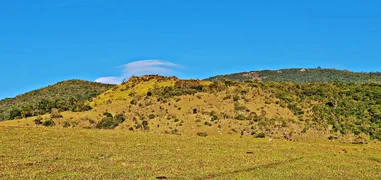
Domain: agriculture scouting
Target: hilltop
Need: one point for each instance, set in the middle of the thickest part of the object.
(301, 75)
(68, 95)
(168, 105)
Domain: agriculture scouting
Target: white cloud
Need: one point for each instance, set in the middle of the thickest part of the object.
(139, 68)
(109, 80)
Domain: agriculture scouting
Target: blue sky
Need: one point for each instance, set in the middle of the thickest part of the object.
(46, 41)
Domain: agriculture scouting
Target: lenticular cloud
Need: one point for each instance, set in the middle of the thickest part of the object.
(138, 68)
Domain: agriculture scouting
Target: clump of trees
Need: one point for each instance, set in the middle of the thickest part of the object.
(110, 122)
(348, 108)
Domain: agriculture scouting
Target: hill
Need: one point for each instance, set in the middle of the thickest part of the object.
(168, 105)
(302, 76)
(65, 96)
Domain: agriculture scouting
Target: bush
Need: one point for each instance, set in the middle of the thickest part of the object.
(213, 115)
(202, 134)
(38, 121)
(14, 114)
(66, 124)
(134, 102)
(208, 123)
(238, 107)
(107, 123)
(151, 116)
(49, 123)
(240, 117)
(120, 118)
(260, 135)
(108, 115)
(91, 121)
(145, 125)
(235, 98)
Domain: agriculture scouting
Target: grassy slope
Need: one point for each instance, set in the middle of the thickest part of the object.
(174, 115)
(117, 154)
(297, 76)
(135, 86)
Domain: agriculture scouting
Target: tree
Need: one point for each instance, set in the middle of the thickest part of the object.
(14, 113)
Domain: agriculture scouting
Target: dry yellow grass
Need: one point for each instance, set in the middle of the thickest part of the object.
(50, 153)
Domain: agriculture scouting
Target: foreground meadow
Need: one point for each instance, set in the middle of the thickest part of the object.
(116, 154)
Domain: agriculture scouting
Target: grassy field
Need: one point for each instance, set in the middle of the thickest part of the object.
(118, 154)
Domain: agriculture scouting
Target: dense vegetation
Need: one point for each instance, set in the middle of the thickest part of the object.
(348, 108)
(64, 96)
(302, 76)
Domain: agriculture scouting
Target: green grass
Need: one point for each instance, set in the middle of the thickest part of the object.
(52, 153)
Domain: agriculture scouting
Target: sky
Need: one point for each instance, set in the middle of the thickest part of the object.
(46, 41)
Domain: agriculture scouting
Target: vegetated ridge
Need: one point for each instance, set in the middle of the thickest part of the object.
(65, 96)
(301, 75)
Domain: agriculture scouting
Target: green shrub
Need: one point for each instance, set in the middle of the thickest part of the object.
(240, 117)
(49, 123)
(120, 117)
(260, 135)
(213, 115)
(134, 102)
(235, 98)
(207, 123)
(284, 123)
(91, 121)
(202, 134)
(145, 125)
(74, 124)
(238, 107)
(107, 123)
(66, 124)
(151, 116)
(14, 114)
(38, 121)
(108, 115)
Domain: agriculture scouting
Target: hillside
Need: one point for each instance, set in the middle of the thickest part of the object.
(65, 96)
(302, 76)
(168, 105)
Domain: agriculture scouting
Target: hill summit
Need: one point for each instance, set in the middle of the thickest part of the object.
(302, 75)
